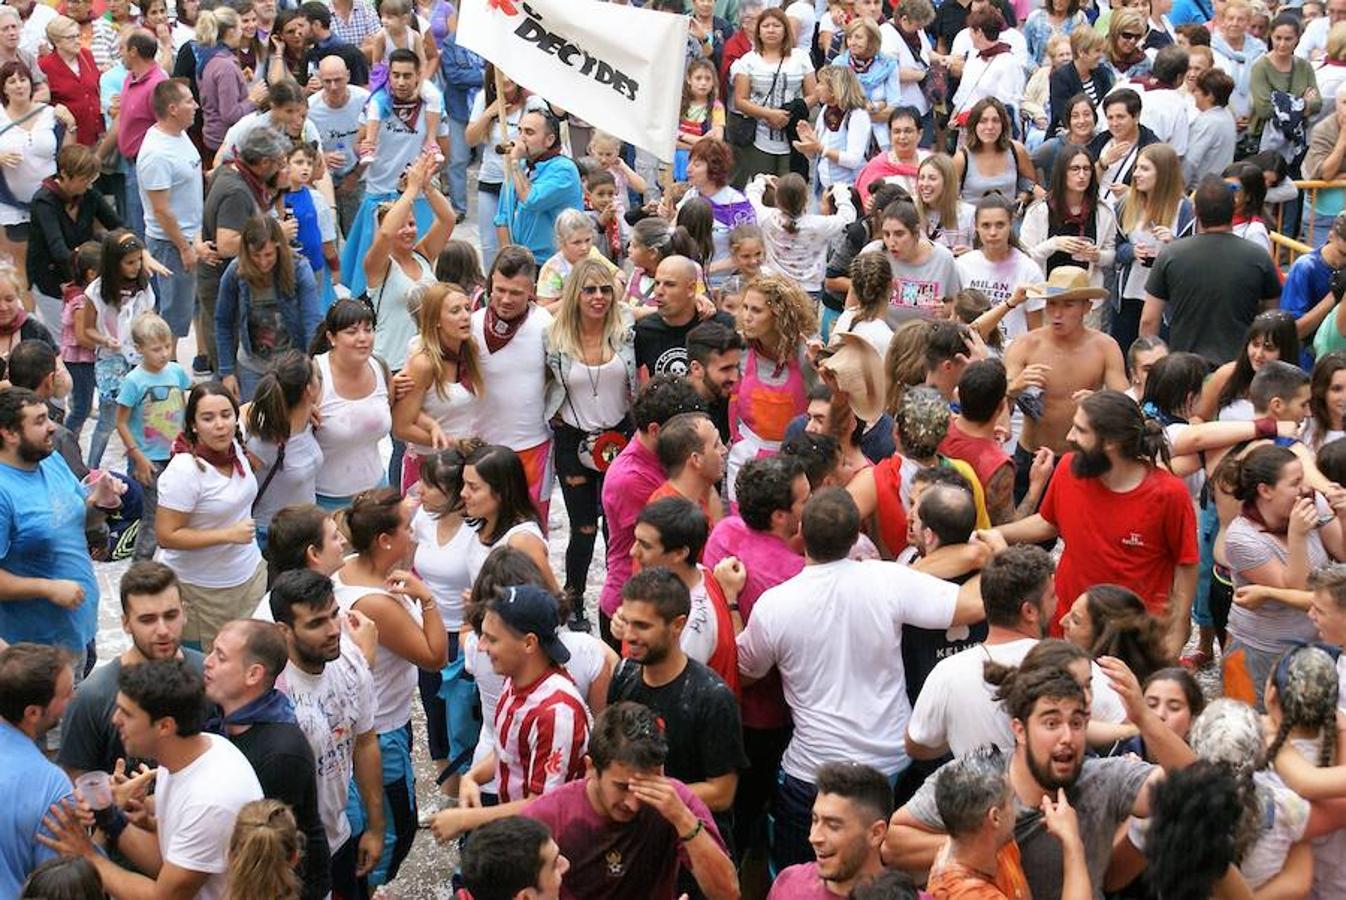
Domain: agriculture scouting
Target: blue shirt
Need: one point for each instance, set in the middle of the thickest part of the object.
(1191, 12)
(158, 402)
(1307, 282)
(42, 536)
(555, 187)
(30, 784)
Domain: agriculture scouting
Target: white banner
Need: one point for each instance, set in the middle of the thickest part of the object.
(618, 68)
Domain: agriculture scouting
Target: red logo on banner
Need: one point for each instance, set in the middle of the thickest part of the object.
(504, 6)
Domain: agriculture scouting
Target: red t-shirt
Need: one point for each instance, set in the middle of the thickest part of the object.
(1135, 539)
(612, 860)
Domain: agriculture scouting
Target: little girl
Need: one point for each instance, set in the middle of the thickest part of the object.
(747, 249)
(607, 152)
(574, 242)
(396, 34)
(702, 113)
(111, 302)
(78, 358)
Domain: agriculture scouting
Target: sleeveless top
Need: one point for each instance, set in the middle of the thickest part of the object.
(976, 185)
(455, 410)
(477, 551)
(350, 433)
(395, 326)
(766, 409)
(394, 677)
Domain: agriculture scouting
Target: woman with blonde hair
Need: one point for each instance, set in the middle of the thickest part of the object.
(876, 72)
(225, 95)
(777, 319)
(263, 852)
(1330, 71)
(1125, 54)
(905, 361)
(945, 217)
(591, 384)
(445, 374)
(1152, 212)
(841, 142)
(1236, 51)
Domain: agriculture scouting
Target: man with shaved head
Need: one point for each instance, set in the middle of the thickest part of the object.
(661, 340)
(335, 110)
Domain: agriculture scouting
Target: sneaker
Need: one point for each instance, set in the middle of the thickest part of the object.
(201, 366)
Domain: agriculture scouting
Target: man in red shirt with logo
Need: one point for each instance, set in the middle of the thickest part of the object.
(1124, 519)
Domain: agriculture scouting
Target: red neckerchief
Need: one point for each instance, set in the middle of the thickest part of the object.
(1080, 219)
(228, 458)
(913, 42)
(614, 235)
(550, 153)
(994, 50)
(1250, 512)
(259, 190)
(54, 186)
(1123, 64)
(14, 324)
(1329, 61)
(407, 112)
(833, 116)
(861, 66)
(1245, 220)
(499, 332)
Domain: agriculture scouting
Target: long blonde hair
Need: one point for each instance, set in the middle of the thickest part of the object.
(565, 334)
(947, 208)
(263, 851)
(432, 303)
(792, 314)
(904, 364)
(1160, 206)
(847, 94)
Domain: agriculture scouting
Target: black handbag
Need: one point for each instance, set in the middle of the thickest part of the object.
(741, 130)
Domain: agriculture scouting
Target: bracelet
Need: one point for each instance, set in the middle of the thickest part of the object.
(1266, 427)
(691, 835)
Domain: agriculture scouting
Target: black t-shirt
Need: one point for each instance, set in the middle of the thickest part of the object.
(922, 648)
(283, 761)
(951, 18)
(854, 239)
(1214, 285)
(661, 349)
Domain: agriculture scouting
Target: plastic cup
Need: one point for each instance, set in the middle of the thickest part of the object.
(96, 789)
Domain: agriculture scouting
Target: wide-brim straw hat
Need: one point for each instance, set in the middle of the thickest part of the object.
(858, 370)
(1067, 283)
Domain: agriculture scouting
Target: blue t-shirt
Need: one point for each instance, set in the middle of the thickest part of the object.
(532, 222)
(30, 784)
(1308, 282)
(1191, 12)
(158, 402)
(42, 536)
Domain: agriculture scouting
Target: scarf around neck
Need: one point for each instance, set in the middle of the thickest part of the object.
(833, 117)
(873, 73)
(217, 458)
(994, 50)
(260, 192)
(499, 331)
(14, 324)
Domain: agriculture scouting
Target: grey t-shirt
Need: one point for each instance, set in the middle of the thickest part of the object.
(89, 740)
(921, 286)
(1102, 796)
(339, 127)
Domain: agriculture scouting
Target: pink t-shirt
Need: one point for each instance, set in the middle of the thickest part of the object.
(800, 882)
(616, 860)
(627, 486)
(769, 561)
(137, 111)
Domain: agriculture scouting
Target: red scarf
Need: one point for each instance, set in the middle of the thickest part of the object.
(14, 324)
(259, 190)
(1064, 216)
(53, 185)
(833, 117)
(994, 50)
(499, 332)
(407, 112)
(550, 153)
(860, 66)
(228, 457)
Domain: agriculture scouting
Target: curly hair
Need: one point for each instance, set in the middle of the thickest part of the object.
(791, 310)
(718, 157)
(1193, 815)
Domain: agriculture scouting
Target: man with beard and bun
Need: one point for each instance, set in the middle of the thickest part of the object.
(152, 615)
(714, 352)
(1049, 713)
(542, 183)
(1124, 518)
(48, 592)
(850, 819)
(511, 337)
(974, 798)
(626, 827)
(1051, 364)
(329, 683)
(699, 711)
(240, 674)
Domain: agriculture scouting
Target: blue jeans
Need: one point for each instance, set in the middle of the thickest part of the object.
(460, 154)
(81, 396)
(176, 292)
(487, 203)
(102, 433)
(135, 213)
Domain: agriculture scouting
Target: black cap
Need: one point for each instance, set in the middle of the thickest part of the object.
(528, 609)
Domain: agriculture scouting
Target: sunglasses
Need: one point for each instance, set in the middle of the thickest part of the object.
(604, 289)
(1130, 36)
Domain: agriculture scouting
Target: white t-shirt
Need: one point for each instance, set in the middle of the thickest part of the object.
(805, 19)
(209, 500)
(877, 331)
(773, 85)
(332, 709)
(443, 567)
(169, 162)
(834, 632)
(295, 482)
(196, 807)
(239, 131)
(997, 280)
(702, 629)
(956, 705)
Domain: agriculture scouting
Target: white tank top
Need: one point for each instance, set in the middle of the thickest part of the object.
(350, 435)
(394, 677)
(477, 551)
(513, 411)
(455, 410)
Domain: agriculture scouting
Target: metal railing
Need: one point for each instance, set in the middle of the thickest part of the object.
(1286, 248)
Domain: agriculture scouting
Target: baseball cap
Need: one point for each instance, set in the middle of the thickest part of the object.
(528, 609)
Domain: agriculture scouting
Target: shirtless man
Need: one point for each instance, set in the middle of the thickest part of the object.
(1055, 365)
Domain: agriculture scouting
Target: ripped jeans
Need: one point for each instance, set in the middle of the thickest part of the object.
(582, 491)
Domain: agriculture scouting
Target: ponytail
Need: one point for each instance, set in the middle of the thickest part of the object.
(263, 850)
(278, 392)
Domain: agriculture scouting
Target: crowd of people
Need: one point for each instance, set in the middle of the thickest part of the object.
(945, 409)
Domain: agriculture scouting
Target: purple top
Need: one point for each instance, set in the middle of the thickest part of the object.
(629, 481)
(224, 98)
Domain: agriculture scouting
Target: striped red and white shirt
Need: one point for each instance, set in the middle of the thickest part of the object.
(542, 734)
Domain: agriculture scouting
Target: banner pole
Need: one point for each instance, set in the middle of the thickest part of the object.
(665, 178)
(502, 113)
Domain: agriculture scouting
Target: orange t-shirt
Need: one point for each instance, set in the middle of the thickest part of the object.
(958, 882)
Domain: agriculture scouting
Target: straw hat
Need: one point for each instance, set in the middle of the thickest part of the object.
(859, 374)
(1067, 283)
